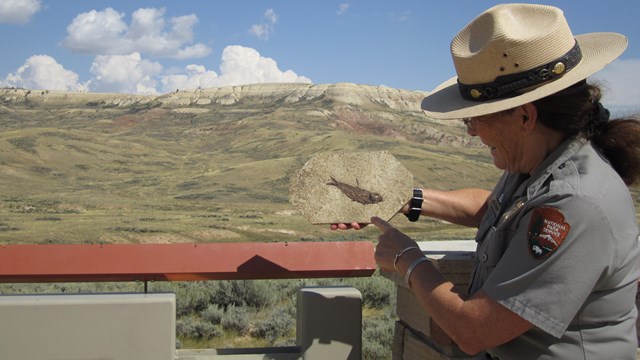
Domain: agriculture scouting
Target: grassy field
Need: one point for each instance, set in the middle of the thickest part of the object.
(88, 173)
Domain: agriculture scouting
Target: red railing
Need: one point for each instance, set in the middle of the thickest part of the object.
(184, 262)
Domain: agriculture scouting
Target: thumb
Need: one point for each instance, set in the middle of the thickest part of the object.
(381, 224)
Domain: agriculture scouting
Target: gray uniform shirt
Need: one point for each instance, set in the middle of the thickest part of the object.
(560, 249)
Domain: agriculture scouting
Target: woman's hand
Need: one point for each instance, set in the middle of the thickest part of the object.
(343, 226)
(390, 243)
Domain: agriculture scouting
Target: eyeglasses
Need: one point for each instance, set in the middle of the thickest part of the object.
(470, 123)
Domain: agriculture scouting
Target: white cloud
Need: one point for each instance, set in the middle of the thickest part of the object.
(124, 74)
(194, 77)
(260, 31)
(96, 32)
(620, 79)
(264, 29)
(271, 16)
(42, 72)
(105, 33)
(243, 65)
(239, 66)
(192, 52)
(133, 74)
(342, 8)
(18, 11)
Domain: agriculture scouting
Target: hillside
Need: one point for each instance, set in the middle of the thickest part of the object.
(209, 164)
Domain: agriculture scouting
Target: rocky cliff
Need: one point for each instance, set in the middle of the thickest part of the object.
(345, 93)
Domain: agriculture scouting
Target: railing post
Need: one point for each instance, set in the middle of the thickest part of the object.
(329, 323)
(88, 326)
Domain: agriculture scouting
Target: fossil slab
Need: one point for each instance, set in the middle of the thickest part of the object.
(341, 187)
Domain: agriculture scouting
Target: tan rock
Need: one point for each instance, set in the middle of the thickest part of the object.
(350, 187)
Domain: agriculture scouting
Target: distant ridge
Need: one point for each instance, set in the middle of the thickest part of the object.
(287, 93)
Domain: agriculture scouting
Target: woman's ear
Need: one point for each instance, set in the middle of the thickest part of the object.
(529, 116)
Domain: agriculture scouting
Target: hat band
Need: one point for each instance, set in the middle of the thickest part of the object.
(506, 85)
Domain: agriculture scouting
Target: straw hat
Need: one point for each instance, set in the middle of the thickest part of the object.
(513, 54)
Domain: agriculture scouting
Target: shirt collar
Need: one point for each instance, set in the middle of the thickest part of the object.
(559, 156)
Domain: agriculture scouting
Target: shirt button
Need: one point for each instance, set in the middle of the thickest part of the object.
(484, 257)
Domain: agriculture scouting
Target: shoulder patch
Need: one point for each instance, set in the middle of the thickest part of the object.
(547, 231)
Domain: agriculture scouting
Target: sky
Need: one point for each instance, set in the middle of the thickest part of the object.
(159, 46)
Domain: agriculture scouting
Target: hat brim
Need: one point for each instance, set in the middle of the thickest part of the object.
(598, 50)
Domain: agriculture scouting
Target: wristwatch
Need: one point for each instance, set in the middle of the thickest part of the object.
(415, 205)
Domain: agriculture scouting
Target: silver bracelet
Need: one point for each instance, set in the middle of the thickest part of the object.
(412, 267)
(395, 261)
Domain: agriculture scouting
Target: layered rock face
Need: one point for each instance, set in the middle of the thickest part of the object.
(360, 95)
(346, 93)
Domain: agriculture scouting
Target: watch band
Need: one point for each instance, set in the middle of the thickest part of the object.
(415, 205)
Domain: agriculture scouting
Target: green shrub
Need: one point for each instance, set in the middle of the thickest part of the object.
(236, 319)
(377, 291)
(192, 296)
(377, 337)
(195, 328)
(375, 351)
(278, 323)
(255, 294)
(213, 313)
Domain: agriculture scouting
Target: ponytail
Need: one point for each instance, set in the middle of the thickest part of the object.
(619, 142)
(577, 111)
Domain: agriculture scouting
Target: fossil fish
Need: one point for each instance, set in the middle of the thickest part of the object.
(355, 193)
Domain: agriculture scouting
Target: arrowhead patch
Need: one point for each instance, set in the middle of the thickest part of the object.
(547, 231)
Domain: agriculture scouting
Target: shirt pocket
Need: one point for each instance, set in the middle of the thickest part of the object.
(496, 245)
(488, 255)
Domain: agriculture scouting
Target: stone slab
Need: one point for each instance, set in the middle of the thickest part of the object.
(342, 187)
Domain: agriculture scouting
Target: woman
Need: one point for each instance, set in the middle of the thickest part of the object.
(556, 265)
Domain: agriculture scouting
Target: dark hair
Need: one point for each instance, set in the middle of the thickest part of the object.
(577, 111)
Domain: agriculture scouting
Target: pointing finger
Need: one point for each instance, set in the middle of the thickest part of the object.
(381, 224)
